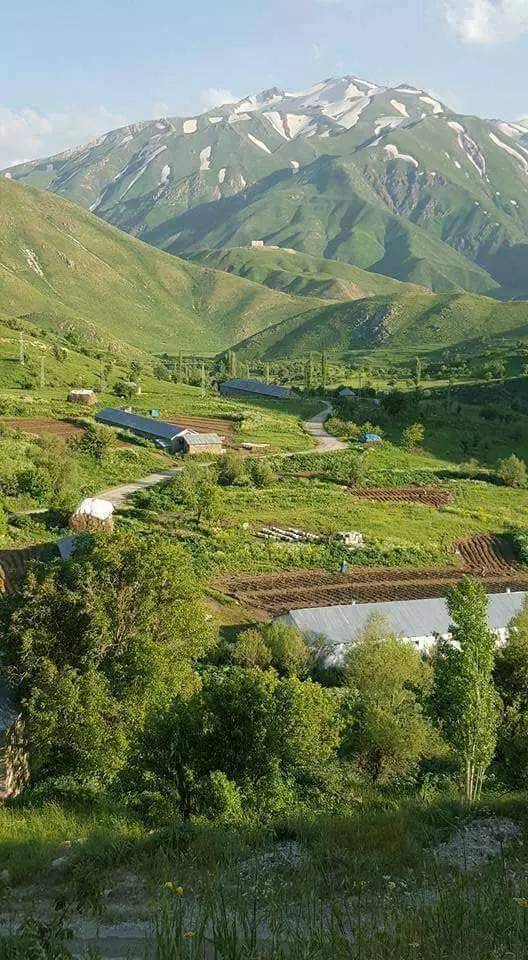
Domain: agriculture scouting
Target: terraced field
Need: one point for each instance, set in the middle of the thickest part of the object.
(433, 496)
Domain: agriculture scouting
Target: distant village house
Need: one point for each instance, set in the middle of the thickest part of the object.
(255, 388)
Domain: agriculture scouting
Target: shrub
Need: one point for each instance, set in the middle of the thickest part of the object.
(413, 436)
(261, 473)
(512, 471)
(231, 470)
(34, 482)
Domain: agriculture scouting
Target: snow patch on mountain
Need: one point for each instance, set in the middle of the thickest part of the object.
(165, 174)
(297, 122)
(277, 121)
(205, 158)
(400, 107)
(295, 164)
(512, 152)
(258, 143)
(437, 107)
(142, 169)
(215, 119)
(395, 154)
(125, 140)
(469, 147)
(387, 123)
(221, 175)
(190, 126)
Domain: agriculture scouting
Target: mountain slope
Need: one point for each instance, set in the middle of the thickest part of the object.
(405, 320)
(69, 271)
(300, 274)
(387, 179)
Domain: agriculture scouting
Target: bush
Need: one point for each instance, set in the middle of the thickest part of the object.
(413, 436)
(231, 470)
(34, 482)
(512, 471)
(261, 473)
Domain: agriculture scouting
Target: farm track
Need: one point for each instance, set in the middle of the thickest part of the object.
(487, 557)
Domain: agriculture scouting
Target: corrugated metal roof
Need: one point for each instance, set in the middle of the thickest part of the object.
(411, 619)
(133, 421)
(198, 439)
(256, 386)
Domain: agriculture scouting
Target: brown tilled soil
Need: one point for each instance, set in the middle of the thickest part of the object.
(42, 426)
(434, 496)
(224, 428)
(487, 557)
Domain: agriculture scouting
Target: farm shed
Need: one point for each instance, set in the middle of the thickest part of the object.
(418, 621)
(202, 442)
(14, 771)
(346, 392)
(169, 435)
(255, 388)
(368, 438)
(79, 395)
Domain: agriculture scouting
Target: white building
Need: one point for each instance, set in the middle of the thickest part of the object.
(418, 621)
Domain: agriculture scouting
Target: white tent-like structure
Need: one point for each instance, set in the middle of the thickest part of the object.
(94, 507)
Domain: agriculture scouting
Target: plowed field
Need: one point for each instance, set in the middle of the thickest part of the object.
(487, 557)
(42, 426)
(224, 428)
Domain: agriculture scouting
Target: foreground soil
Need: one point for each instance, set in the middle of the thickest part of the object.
(42, 426)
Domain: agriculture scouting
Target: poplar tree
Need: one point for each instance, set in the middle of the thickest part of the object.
(464, 691)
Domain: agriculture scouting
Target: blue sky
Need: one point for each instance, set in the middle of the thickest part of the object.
(70, 70)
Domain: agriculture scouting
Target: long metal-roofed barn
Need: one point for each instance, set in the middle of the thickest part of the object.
(175, 438)
(255, 388)
(170, 434)
(418, 621)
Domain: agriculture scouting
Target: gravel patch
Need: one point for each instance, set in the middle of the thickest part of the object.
(477, 842)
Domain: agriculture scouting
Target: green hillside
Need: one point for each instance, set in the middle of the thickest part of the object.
(424, 320)
(300, 274)
(70, 272)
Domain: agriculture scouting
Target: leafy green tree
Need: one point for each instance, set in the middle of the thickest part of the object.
(122, 621)
(464, 694)
(96, 441)
(251, 650)
(34, 481)
(511, 681)
(275, 740)
(413, 436)
(289, 651)
(161, 371)
(388, 732)
(207, 500)
(512, 471)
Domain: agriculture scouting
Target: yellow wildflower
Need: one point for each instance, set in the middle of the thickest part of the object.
(178, 890)
(189, 933)
(521, 901)
(169, 885)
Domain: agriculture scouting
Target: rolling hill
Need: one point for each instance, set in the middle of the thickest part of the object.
(408, 320)
(300, 274)
(65, 270)
(387, 179)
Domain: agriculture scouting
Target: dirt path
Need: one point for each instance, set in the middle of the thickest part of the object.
(315, 428)
(119, 495)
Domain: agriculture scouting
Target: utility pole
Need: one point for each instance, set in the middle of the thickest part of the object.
(267, 372)
(101, 376)
(42, 373)
(22, 359)
(203, 379)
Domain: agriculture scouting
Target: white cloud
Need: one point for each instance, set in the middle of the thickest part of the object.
(28, 135)
(216, 97)
(487, 21)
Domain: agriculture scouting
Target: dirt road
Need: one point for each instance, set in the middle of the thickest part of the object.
(315, 427)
